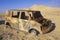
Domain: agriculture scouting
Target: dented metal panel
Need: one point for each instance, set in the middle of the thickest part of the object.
(25, 20)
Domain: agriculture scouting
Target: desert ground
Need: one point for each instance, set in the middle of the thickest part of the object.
(49, 13)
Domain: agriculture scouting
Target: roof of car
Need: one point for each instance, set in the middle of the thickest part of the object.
(22, 10)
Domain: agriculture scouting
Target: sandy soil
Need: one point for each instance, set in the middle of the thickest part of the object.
(11, 34)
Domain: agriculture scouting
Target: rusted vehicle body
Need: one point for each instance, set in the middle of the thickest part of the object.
(27, 20)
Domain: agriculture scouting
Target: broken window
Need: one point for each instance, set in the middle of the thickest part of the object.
(37, 14)
(15, 15)
(24, 16)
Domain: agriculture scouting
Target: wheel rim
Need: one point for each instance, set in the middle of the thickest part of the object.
(33, 32)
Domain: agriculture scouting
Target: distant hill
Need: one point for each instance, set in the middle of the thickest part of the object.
(43, 9)
(2, 15)
(46, 9)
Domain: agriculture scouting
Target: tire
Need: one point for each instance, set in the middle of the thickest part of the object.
(33, 32)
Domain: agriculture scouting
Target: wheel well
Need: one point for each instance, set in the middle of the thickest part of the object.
(7, 23)
(35, 30)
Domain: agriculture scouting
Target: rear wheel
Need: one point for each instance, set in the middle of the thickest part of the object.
(33, 32)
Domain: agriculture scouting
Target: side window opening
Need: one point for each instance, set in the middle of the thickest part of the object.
(15, 15)
(23, 16)
(37, 14)
(31, 15)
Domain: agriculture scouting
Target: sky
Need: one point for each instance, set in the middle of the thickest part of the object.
(15, 4)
